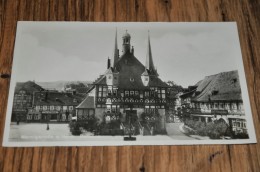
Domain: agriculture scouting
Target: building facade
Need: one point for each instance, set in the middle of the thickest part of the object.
(53, 106)
(129, 92)
(23, 99)
(218, 97)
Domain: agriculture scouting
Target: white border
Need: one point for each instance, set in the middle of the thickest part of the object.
(242, 78)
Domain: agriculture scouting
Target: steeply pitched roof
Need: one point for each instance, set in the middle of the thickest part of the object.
(56, 98)
(100, 80)
(28, 86)
(130, 70)
(219, 87)
(88, 102)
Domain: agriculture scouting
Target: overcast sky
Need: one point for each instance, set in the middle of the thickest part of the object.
(182, 52)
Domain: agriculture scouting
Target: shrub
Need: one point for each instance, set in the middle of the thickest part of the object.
(212, 129)
(90, 125)
(241, 136)
(75, 128)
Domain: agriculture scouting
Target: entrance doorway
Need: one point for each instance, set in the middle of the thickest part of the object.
(131, 116)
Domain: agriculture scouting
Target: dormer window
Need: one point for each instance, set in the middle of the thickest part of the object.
(132, 79)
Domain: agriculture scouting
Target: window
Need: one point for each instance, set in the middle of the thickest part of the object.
(113, 108)
(64, 108)
(51, 107)
(146, 93)
(234, 106)
(104, 92)
(29, 117)
(108, 108)
(163, 96)
(91, 112)
(132, 80)
(244, 124)
(36, 117)
(44, 107)
(114, 92)
(126, 93)
(240, 106)
(109, 92)
(132, 93)
(227, 106)
(70, 107)
(58, 108)
(63, 117)
(37, 108)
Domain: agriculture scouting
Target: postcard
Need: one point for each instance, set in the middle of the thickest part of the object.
(127, 83)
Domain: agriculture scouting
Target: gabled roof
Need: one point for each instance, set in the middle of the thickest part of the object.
(88, 102)
(56, 98)
(224, 86)
(188, 94)
(157, 82)
(28, 86)
(101, 80)
(129, 70)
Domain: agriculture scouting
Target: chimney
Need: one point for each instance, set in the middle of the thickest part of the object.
(108, 62)
(46, 96)
(132, 50)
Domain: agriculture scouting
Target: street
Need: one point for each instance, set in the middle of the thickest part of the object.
(173, 131)
(60, 132)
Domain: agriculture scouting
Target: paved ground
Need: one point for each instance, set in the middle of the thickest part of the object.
(61, 132)
(174, 131)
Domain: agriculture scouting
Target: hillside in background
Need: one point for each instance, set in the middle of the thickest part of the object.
(59, 85)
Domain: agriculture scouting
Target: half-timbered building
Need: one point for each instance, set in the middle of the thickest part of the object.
(218, 97)
(53, 106)
(129, 92)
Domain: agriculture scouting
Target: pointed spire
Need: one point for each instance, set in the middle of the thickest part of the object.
(149, 59)
(116, 52)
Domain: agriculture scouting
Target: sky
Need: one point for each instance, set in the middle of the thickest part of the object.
(77, 51)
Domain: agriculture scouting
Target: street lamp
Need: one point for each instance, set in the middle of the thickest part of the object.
(48, 127)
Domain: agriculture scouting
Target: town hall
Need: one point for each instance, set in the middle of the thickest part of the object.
(129, 94)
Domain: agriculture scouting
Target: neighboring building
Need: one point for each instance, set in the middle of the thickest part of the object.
(86, 109)
(218, 97)
(23, 99)
(129, 92)
(53, 107)
(76, 88)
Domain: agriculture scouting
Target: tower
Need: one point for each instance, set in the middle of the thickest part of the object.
(126, 42)
(149, 59)
(116, 51)
(150, 70)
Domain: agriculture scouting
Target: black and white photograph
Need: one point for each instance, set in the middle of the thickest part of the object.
(127, 83)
